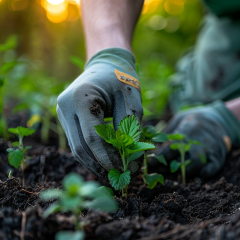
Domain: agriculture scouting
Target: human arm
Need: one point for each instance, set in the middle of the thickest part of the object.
(108, 87)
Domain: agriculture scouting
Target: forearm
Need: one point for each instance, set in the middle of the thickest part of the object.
(234, 107)
(109, 23)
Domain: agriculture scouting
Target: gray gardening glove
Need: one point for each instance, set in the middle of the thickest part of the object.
(108, 87)
(214, 126)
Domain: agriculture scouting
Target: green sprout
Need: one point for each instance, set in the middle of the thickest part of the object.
(17, 155)
(9, 174)
(126, 140)
(150, 135)
(183, 145)
(76, 196)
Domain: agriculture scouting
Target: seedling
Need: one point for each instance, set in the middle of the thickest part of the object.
(150, 135)
(183, 145)
(17, 155)
(75, 196)
(126, 140)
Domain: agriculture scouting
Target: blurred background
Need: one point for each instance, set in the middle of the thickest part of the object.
(42, 51)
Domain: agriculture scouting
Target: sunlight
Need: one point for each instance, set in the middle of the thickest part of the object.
(55, 2)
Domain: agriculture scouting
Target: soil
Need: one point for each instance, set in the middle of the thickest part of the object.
(198, 211)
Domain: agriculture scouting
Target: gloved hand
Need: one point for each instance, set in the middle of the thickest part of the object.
(212, 125)
(108, 87)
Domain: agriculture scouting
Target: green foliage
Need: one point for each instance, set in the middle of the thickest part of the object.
(126, 140)
(21, 131)
(182, 145)
(77, 62)
(17, 155)
(9, 44)
(75, 196)
(119, 180)
(153, 179)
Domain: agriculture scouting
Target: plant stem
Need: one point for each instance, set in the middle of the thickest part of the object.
(145, 164)
(77, 225)
(183, 169)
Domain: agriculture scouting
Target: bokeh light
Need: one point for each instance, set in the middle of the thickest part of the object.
(55, 2)
(174, 7)
(18, 5)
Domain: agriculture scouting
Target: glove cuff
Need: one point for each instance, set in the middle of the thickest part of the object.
(228, 120)
(112, 54)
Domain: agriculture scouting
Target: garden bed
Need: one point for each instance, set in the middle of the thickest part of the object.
(199, 210)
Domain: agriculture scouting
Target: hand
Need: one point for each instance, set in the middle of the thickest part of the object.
(107, 88)
(208, 126)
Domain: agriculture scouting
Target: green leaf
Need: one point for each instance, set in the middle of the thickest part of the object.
(105, 191)
(15, 157)
(160, 137)
(72, 182)
(138, 147)
(203, 158)
(14, 144)
(6, 67)
(161, 159)
(108, 134)
(104, 203)
(123, 139)
(135, 156)
(21, 131)
(119, 180)
(10, 149)
(149, 131)
(70, 202)
(10, 43)
(177, 136)
(194, 142)
(51, 194)
(175, 146)
(63, 235)
(129, 125)
(187, 147)
(174, 166)
(88, 189)
(187, 162)
(153, 179)
(1, 81)
(77, 62)
(55, 207)
(28, 147)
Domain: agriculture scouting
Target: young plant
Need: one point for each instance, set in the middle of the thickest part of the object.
(150, 135)
(126, 140)
(17, 155)
(183, 145)
(75, 196)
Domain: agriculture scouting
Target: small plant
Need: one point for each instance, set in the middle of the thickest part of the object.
(183, 145)
(9, 174)
(150, 135)
(126, 140)
(17, 155)
(75, 196)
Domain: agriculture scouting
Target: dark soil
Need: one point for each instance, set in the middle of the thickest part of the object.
(197, 211)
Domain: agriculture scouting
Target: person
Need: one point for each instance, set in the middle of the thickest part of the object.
(109, 87)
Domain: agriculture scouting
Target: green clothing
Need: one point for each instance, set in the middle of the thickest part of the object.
(212, 70)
